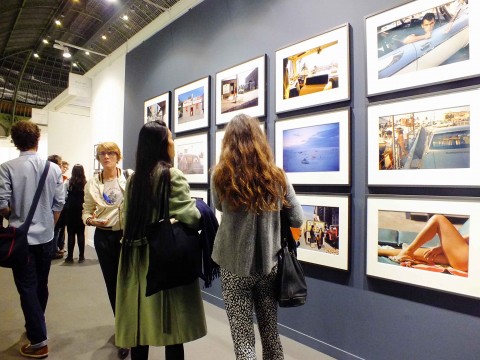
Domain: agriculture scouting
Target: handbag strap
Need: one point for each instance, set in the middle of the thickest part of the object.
(38, 192)
(287, 239)
(164, 195)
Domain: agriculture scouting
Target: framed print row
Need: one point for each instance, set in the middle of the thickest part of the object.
(310, 73)
(403, 242)
(422, 43)
(425, 141)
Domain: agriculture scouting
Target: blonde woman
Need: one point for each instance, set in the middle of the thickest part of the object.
(102, 208)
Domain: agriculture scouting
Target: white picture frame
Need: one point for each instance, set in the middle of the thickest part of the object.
(158, 108)
(395, 61)
(397, 220)
(191, 106)
(200, 194)
(426, 141)
(191, 157)
(241, 89)
(333, 211)
(315, 149)
(324, 60)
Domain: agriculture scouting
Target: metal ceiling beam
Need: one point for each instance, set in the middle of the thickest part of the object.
(18, 84)
(14, 25)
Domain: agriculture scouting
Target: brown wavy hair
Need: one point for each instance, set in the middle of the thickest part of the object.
(25, 135)
(246, 175)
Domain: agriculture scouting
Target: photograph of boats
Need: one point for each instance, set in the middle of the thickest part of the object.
(315, 149)
(312, 148)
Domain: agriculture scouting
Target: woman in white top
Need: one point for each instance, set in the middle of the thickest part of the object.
(102, 207)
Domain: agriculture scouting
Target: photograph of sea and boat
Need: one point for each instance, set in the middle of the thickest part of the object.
(312, 148)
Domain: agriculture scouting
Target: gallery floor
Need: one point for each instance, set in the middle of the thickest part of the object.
(80, 321)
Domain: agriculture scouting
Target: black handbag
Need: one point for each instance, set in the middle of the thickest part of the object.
(291, 285)
(13, 241)
(175, 254)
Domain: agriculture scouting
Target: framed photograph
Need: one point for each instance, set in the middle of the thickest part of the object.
(403, 242)
(241, 89)
(200, 194)
(313, 72)
(425, 141)
(158, 108)
(315, 149)
(324, 237)
(191, 105)
(422, 43)
(191, 157)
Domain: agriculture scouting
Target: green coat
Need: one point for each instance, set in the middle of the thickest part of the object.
(141, 320)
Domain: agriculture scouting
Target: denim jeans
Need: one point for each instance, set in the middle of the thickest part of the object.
(32, 285)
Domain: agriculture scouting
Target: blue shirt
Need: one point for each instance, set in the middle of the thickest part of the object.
(19, 179)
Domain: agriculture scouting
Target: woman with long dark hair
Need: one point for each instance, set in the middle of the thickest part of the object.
(250, 190)
(168, 318)
(73, 213)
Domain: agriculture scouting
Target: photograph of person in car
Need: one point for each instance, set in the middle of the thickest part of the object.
(433, 37)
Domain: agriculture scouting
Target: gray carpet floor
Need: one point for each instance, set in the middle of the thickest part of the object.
(81, 326)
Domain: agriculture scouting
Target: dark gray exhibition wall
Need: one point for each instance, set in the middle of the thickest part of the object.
(348, 315)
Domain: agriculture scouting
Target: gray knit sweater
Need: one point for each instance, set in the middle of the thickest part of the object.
(248, 243)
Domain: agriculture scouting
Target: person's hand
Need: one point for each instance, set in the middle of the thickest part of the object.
(93, 221)
(98, 222)
(432, 253)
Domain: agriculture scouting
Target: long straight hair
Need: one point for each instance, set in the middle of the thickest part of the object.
(78, 180)
(152, 154)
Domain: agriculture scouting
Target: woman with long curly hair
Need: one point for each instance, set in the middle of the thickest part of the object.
(250, 190)
(73, 213)
(171, 317)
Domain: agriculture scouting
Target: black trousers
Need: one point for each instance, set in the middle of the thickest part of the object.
(107, 246)
(172, 352)
(79, 232)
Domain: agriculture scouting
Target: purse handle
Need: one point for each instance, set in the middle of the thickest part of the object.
(164, 196)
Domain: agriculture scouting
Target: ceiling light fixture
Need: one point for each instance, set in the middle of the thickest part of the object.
(61, 45)
(104, 37)
(36, 55)
(58, 22)
(66, 53)
(45, 41)
(125, 17)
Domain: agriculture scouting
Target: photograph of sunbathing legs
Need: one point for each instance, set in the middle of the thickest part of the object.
(435, 245)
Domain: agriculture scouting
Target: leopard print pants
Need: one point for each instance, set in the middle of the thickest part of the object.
(241, 296)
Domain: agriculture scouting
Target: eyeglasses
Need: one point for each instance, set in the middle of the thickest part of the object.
(109, 153)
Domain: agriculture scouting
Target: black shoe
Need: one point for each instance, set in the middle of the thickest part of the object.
(123, 353)
(69, 260)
